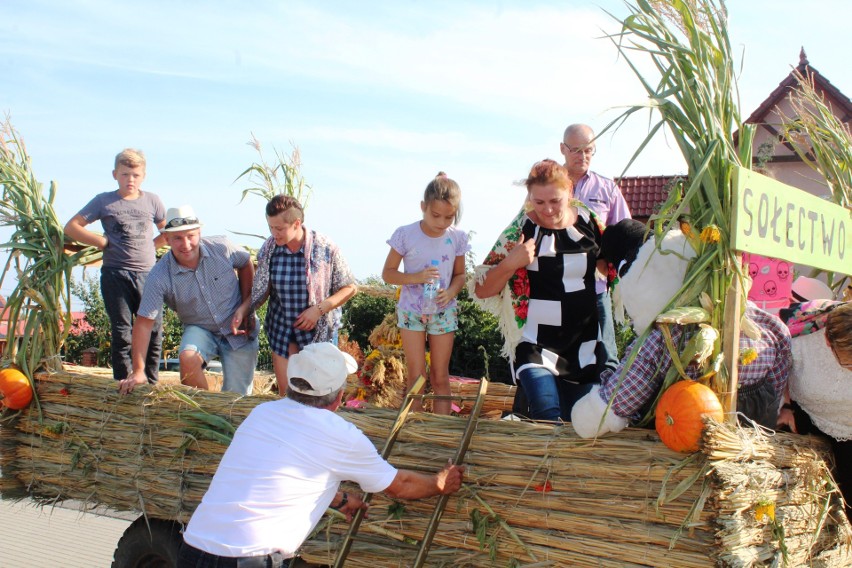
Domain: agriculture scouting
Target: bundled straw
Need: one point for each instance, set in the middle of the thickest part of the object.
(534, 494)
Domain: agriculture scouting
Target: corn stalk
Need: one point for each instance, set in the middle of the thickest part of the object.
(693, 95)
(283, 176)
(823, 142)
(41, 300)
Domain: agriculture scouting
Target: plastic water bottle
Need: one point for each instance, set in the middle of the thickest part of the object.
(430, 294)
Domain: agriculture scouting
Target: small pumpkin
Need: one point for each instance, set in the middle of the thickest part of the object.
(680, 414)
(15, 388)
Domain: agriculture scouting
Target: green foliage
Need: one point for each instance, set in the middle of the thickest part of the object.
(477, 328)
(624, 336)
(89, 292)
(99, 335)
(362, 314)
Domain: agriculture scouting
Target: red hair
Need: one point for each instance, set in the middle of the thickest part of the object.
(548, 172)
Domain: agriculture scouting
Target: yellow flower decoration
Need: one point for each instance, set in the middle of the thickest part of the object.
(711, 234)
(374, 354)
(748, 356)
(764, 509)
(398, 292)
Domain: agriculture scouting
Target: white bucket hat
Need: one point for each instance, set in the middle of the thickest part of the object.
(181, 218)
(323, 366)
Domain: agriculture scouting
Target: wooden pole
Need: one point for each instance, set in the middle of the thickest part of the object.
(731, 346)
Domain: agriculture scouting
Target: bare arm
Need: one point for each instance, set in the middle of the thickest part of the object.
(412, 485)
(495, 279)
(239, 324)
(456, 283)
(309, 317)
(76, 229)
(160, 240)
(140, 339)
(245, 273)
(392, 275)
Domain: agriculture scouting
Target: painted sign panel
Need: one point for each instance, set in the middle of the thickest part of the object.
(776, 220)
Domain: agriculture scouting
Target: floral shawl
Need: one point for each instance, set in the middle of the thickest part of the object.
(510, 305)
(327, 272)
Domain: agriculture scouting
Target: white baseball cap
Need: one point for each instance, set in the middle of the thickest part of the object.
(181, 218)
(323, 366)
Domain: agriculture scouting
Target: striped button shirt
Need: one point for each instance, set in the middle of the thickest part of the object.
(206, 296)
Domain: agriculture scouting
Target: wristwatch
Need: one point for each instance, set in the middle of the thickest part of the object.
(343, 501)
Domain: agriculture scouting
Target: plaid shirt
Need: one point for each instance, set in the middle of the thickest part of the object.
(326, 272)
(287, 299)
(643, 379)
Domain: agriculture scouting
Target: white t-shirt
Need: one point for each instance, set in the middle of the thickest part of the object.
(278, 477)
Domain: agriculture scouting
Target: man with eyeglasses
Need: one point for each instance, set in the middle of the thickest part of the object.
(204, 280)
(604, 198)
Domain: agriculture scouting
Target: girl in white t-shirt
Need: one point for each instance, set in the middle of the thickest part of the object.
(432, 252)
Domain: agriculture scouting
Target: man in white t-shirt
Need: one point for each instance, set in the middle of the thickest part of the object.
(283, 469)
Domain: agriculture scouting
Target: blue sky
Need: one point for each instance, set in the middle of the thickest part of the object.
(378, 96)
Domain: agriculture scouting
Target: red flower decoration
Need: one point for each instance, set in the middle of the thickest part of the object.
(546, 487)
(521, 283)
(64, 392)
(521, 310)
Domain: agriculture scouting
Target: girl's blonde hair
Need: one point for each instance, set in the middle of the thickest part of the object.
(442, 188)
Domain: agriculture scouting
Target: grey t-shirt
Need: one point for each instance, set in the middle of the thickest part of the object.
(129, 226)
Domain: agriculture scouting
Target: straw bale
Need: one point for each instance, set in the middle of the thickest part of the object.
(547, 497)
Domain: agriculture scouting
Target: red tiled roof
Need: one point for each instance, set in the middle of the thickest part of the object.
(643, 193)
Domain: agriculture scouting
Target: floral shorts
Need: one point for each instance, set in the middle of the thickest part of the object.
(446, 321)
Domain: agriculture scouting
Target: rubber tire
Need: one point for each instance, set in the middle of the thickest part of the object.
(144, 547)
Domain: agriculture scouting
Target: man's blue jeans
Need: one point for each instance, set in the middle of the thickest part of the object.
(122, 292)
(607, 348)
(238, 365)
(549, 397)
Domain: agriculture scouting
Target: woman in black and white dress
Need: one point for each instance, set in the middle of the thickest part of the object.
(551, 270)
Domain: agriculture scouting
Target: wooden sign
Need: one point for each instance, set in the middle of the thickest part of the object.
(776, 220)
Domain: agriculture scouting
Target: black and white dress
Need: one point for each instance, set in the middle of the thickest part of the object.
(561, 332)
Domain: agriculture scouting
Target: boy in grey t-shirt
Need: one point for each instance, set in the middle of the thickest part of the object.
(127, 216)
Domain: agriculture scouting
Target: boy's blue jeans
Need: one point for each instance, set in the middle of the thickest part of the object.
(122, 292)
(549, 397)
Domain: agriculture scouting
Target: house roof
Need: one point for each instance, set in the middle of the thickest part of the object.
(643, 193)
(839, 102)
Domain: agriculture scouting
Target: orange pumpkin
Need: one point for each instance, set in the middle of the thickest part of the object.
(16, 389)
(680, 414)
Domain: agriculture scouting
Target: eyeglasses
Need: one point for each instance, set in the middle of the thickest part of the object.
(587, 151)
(180, 222)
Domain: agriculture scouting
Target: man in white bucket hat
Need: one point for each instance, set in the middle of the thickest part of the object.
(205, 281)
(284, 466)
